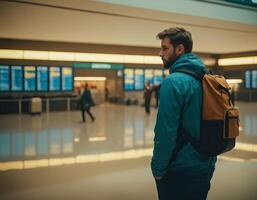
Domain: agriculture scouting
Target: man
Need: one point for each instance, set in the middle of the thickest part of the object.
(147, 96)
(86, 103)
(156, 90)
(186, 176)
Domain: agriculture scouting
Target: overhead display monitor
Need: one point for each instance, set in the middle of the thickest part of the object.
(17, 78)
(55, 79)
(4, 78)
(67, 79)
(129, 79)
(42, 78)
(254, 78)
(248, 79)
(149, 76)
(29, 78)
(139, 79)
(158, 76)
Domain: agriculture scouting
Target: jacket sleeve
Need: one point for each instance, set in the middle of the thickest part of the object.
(171, 101)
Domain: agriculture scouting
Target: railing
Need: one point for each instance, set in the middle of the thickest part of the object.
(19, 105)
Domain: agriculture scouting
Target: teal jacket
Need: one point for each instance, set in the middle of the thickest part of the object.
(180, 91)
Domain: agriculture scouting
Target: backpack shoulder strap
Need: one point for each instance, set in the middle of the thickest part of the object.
(182, 135)
(192, 72)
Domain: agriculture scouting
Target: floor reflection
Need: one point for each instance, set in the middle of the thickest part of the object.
(119, 132)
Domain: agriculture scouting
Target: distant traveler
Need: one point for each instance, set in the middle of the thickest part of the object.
(106, 94)
(157, 94)
(147, 97)
(86, 103)
(186, 176)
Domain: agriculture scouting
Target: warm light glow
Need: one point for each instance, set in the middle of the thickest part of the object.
(11, 165)
(231, 159)
(11, 54)
(103, 157)
(61, 56)
(29, 164)
(209, 61)
(36, 55)
(81, 57)
(152, 60)
(246, 147)
(78, 57)
(109, 58)
(231, 81)
(107, 157)
(84, 78)
(87, 158)
(110, 156)
(96, 139)
(133, 59)
(238, 61)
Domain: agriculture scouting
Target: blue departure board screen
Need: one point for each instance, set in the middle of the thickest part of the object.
(4, 78)
(55, 78)
(158, 76)
(139, 79)
(254, 78)
(42, 78)
(17, 78)
(248, 79)
(29, 78)
(129, 79)
(67, 79)
(149, 76)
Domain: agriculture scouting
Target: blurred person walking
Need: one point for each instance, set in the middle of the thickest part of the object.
(147, 96)
(86, 103)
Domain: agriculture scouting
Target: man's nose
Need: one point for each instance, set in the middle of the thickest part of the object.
(160, 53)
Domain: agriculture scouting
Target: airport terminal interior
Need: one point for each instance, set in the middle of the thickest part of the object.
(51, 49)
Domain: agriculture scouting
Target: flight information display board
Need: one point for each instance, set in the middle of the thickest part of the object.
(158, 76)
(139, 79)
(248, 79)
(29, 78)
(42, 78)
(4, 78)
(149, 76)
(17, 78)
(67, 79)
(55, 79)
(254, 78)
(129, 79)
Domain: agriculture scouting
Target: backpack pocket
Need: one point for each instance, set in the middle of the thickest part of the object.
(231, 123)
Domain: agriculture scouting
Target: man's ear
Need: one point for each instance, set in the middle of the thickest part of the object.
(180, 50)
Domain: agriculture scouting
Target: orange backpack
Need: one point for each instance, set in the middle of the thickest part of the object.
(219, 117)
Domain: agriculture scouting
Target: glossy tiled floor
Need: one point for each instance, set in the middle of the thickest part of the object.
(55, 156)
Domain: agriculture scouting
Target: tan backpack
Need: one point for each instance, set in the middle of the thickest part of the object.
(219, 117)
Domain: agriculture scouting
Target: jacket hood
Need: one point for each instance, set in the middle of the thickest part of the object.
(189, 59)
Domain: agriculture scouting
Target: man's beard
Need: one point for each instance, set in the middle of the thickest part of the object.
(171, 61)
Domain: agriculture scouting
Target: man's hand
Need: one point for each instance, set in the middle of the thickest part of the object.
(158, 177)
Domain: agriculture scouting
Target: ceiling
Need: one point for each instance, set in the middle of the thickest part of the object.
(80, 21)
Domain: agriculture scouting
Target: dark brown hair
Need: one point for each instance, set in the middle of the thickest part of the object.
(178, 36)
